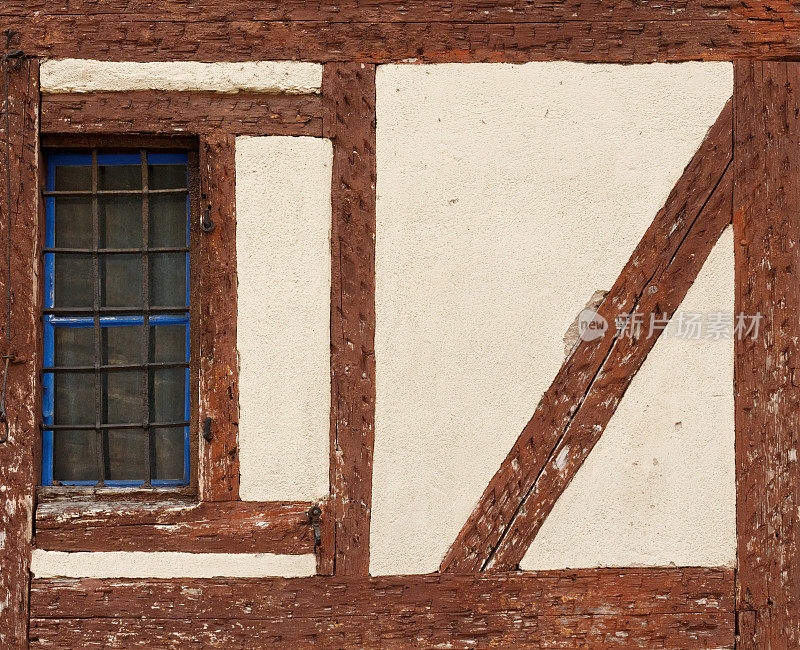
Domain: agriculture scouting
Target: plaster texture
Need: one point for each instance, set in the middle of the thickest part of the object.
(283, 208)
(136, 564)
(507, 196)
(85, 75)
(659, 486)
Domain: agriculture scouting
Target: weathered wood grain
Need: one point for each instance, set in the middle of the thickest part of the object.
(18, 474)
(393, 11)
(623, 33)
(766, 223)
(205, 527)
(665, 608)
(218, 372)
(348, 91)
(574, 411)
(182, 112)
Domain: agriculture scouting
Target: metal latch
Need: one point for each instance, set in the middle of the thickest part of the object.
(315, 518)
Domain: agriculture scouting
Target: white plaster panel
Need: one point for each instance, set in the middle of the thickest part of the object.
(659, 486)
(137, 564)
(283, 213)
(85, 75)
(507, 195)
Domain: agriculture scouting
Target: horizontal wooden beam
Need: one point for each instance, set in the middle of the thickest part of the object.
(398, 11)
(606, 31)
(204, 527)
(578, 405)
(667, 608)
(182, 112)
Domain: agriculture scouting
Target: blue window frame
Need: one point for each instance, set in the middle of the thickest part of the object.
(116, 319)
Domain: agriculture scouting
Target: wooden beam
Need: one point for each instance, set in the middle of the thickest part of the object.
(766, 223)
(348, 91)
(21, 335)
(205, 527)
(218, 372)
(517, 32)
(665, 608)
(182, 112)
(575, 410)
(394, 11)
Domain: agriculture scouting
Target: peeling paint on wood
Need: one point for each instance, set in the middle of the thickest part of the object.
(348, 91)
(182, 112)
(218, 381)
(23, 399)
(513, 31)
(767, 398)
(664, 608)
(205, 527)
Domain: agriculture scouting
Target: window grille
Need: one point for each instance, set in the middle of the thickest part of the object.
(116, 319)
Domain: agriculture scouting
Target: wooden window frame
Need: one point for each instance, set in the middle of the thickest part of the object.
(182, 518)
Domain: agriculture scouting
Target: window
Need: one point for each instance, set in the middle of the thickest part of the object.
(116, 319)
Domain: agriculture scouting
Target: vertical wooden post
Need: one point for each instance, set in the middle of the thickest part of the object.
(23, 392)
(348, 91)
(218, 363)
(766, 223)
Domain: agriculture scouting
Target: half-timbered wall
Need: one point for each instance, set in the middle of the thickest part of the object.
(402, 216)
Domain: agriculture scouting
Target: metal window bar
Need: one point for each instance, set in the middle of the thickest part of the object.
(110, 311)
(98, 347)
(99, 314)
(113, 425)
(151, 365)
(145, 376)
(46, 193)
(116, 251)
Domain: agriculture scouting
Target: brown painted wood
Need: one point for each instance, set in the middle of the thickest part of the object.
(665, 608)
(767, 369)
(354, 11)
(218, 380)
(182, 112)
(205, 527)
(18, 473)
(612, 32)
(579, 403)
(349, 120)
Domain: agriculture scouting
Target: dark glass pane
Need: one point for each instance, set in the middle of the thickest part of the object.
(168, 220)
(168, 343)
(73, 284)
(168, 395)
(73, 217)
(119, 177)
(166, 177)
(120, 221)
(167, 279)
(121, 280)
(168, 445)
(127, 455)
(74, 398)
(122, 345)
(74, 346)
(75, 456)
(73, 177)
(122, 397)
(74, 392)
